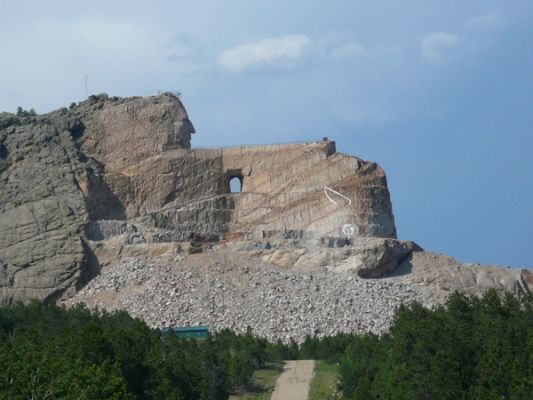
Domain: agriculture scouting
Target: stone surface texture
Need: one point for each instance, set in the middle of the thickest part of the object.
(226, 289)
(42, 211)
(437, 276)
(107, 167)
(106, 203)
(57, 174)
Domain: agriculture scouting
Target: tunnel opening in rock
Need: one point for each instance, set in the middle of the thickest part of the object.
(235, 183)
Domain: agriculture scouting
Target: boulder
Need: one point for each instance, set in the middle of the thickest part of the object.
(375, 257)
(439, 275)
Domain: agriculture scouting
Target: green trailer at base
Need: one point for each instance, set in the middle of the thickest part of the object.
(188, 332)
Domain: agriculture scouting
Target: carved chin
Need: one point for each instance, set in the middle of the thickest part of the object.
(183, 131)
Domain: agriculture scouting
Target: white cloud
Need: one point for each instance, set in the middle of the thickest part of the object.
(488, 20)
(348, 50)
(272, 52)
(435, 45)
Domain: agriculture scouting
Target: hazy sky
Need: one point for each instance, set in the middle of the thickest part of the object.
(439, 93)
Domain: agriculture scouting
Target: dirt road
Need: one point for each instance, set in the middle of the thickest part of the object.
(293, 383)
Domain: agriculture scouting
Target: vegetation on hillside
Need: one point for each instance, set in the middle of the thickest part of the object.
(53, 353)
(25, 113)
(324, 383)
(471, 348)
(262, 383)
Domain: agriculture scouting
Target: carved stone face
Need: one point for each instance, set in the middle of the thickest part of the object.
(122, 132)
(183, 129)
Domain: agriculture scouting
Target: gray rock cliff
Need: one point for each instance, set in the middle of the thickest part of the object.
(74, 178)
(54, 179)
(110, 180)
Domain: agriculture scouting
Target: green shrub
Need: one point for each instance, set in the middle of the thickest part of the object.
(25, 113)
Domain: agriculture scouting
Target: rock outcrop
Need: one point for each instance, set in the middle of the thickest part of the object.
(42, 211)
(75, 179)
(437, 276)
(57, 174)
(111, 186)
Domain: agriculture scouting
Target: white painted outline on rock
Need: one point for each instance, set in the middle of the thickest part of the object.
(348, 229)
(326, 188)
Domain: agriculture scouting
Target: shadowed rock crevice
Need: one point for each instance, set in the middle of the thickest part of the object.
(101, 200)
(91, 266)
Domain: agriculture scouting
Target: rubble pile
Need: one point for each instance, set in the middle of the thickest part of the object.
(226, 291)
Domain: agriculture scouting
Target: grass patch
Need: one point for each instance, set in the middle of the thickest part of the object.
(263, 382)
(324, 381)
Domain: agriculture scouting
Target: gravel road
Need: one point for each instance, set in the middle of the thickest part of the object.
(294, 382)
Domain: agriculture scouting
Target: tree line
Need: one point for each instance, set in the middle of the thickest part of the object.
(469, 348)
(49, 352)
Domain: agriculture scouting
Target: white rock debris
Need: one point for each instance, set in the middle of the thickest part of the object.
(235, 292)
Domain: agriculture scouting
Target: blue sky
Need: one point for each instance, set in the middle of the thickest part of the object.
(439, 93)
